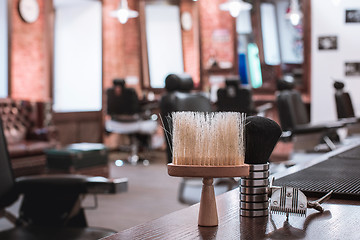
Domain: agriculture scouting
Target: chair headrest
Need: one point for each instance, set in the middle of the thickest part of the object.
(119, 82)
(179, 82)
(286, 83)
(339, 85)
(232, 82)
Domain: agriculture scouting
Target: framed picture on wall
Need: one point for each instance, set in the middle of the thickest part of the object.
(352, 16)
(352, 69)
(327, 43)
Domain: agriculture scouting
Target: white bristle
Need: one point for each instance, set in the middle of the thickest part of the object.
(208, 139)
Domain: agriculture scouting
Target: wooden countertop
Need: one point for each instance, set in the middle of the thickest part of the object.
(340, 220)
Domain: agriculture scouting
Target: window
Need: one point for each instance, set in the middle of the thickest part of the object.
(164, 46)
(3, 48)
(77, 56)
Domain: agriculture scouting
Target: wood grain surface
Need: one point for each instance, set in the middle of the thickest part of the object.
(339, 221)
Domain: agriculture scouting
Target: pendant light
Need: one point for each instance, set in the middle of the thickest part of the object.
(294, 14)
(123, 13)
(235, 7)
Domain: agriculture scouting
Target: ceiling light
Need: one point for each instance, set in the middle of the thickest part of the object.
(123, 13)
(294, 14)
(235, 7)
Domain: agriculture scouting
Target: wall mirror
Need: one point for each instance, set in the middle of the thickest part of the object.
(77, 55)
(4, 49)
(279, 29)
(169, 41)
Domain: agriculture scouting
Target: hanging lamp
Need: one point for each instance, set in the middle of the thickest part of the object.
(123, 13)
(294, 14)
(235, 7)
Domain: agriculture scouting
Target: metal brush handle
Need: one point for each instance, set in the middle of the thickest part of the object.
(259, 167)
(257, 175)
(254, 182)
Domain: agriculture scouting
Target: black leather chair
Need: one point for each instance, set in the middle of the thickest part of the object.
(295, 121)
(180, 98)
(344, 108)
(127, 117)
(50, 207)
(234, 98)
(122, 101)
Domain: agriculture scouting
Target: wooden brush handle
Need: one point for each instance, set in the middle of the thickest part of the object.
(208, 213)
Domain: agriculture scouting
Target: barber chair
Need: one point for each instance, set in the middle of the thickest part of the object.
(127, 118)
(180, 98)
(234, 98)
(344, 105)
(345, 110)
(51, 204)
(295, 122)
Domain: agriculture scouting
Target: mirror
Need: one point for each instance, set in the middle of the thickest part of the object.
(279, 38)
(169, 41)
(4, 48)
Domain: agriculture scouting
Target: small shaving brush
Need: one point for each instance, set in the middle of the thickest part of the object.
(261, 136)
(208, 145)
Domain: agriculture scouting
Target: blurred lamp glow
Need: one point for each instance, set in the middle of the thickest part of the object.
(294, 14)
(235, 7)
(119, 163)
(123, 13)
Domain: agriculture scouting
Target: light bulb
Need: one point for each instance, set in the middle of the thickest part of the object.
(294, 14)
(123, 15)
(234, 8)
(295, 19)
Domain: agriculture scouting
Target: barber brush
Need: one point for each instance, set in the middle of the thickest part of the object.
(261, 136)
(208, 145)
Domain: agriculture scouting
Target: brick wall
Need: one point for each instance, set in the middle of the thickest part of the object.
(30, 59)
(121, 45)
(29, 56)
(190, 42)
(213, 19)
(217, 33)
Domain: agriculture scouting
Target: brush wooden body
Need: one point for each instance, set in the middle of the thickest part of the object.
(208, 145)
(208, 171)
(208, 212)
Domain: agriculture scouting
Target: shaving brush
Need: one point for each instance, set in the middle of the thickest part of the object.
(208, 145)
(261, 135)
